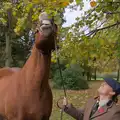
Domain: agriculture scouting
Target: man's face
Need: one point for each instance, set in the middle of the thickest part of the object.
(105, 89)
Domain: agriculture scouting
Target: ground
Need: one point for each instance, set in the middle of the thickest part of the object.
(78, 98)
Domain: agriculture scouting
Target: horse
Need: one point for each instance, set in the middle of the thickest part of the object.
(25, 93)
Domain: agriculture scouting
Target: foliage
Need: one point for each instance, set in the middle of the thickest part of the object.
(2, 52)
(29, 9)
(93, 41)
(55, 67)
(21, 50)
(17, 17)
(73, 79)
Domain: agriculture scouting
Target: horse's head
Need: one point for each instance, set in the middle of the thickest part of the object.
(46, 34)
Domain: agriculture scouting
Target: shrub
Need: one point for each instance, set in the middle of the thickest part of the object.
(73, 79)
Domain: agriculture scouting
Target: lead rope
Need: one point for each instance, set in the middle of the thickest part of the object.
(63, 85)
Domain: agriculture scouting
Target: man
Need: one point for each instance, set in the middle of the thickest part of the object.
(103, 107)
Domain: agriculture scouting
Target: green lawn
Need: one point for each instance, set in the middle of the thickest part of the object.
(78, 98)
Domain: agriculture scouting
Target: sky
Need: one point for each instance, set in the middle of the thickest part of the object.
(71, 15)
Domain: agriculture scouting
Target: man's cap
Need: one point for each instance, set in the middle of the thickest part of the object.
(114, 84)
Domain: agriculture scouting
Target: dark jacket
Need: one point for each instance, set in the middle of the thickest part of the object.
(108, 112)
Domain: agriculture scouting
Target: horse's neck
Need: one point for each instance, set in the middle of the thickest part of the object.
(36, 69)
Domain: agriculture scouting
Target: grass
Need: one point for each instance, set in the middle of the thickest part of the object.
(97, 78)
(77, 98)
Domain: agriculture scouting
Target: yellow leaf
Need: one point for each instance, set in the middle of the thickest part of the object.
(102, 42)
(17, 30)
(36, 1)
(53, 61)
(93, 3)
(26, 1)
(65, 3)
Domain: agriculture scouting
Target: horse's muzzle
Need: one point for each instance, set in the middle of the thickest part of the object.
(46, 24)
(46, 28)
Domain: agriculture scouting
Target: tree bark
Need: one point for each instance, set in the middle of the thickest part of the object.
(95, 73)
(8, 59)
(118, 74)
(8, 37)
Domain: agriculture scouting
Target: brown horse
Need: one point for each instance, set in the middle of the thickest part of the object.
(25, 94)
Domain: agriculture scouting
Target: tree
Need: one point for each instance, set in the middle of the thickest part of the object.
(98, 48)
(14, 15)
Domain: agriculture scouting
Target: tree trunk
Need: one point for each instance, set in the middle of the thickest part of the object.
(88, 74)
(8, 50)
(118, 74)
(95, 74)
(8, 37)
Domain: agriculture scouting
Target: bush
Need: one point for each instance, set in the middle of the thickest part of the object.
(73, 79)
(55, 69)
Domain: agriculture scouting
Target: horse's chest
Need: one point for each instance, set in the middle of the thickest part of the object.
(39, 99)
(40, 104)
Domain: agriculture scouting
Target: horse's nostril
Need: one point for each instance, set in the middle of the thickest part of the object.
(46, 30)
(46, 24)
(45, 27)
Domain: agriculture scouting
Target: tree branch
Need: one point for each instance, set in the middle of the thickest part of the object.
(117, 12)
(96, 30)
(109, 2)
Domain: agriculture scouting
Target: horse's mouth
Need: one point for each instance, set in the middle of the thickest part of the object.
(46, 28)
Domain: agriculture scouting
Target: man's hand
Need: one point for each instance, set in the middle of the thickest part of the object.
(65, 102)
(62, 103)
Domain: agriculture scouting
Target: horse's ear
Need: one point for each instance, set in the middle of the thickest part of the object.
(36, 31)
(55, 28)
